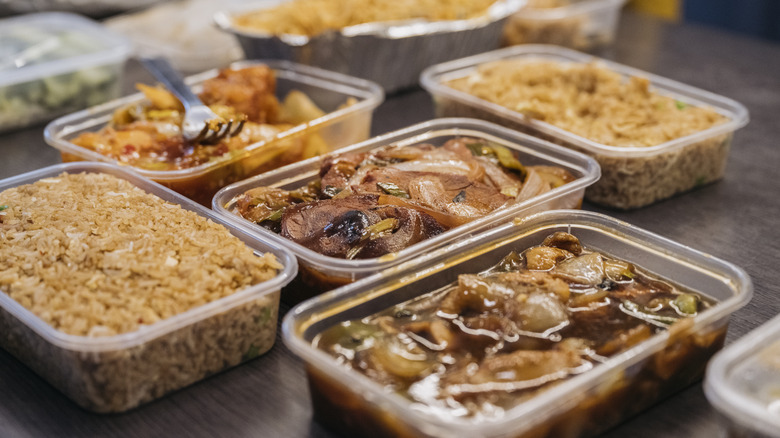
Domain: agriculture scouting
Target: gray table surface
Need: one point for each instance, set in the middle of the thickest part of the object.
(733, 219)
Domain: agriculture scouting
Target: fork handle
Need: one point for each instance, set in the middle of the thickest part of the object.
(161, 69)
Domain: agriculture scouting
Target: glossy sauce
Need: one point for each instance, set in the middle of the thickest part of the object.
(497, 338)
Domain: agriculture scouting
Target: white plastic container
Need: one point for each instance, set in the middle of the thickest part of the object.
(631, 177)
(55, 63)
(339, 127)
(743, 382)
(319, 273)
(579, 24)
(116, 373)
(584, 405)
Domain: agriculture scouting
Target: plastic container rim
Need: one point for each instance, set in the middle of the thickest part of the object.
(497, 11)
(115, 49)
(550, 401)
(410, 135)
(734, 404)
(371, 93)
(561, 12)
(165, 326)
(735, 112)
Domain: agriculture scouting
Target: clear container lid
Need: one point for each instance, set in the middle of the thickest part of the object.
(167, 325)
(47, 44)
(743, 380)
(433, 79)
(728, 285)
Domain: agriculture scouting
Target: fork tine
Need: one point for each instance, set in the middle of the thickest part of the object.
(222, 132)
(238, 127)
(212, 132)
(202, 134)
(216, 131)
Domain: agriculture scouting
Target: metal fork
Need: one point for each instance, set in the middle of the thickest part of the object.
(200, 124)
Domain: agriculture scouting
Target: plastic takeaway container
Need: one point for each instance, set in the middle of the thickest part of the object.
(631, 177)
(119, 372)
(583, 405)
(743, 382)
(319, 273)
(579, 24)
(340, 126)
(55, 63)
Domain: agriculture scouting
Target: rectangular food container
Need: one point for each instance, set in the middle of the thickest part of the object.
(743, 383)
(392, 53)
(92, 8)
(183, 32)
(585, 404)
(319, 273)
(631, 177)
(117, 373)
(340, 126)
(580, 24)
(56, 63)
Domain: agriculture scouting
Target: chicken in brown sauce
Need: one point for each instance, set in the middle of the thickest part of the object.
(496, 338)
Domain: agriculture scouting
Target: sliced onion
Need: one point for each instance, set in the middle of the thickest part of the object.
(586, 269)
(534, 185)
(541, 312)
(430, 192)
(445, 219)
(359, 175)
(452, 166)
(500, 179)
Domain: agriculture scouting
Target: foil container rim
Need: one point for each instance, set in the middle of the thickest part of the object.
(499, 10)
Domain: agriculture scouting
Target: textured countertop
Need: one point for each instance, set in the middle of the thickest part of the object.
(733, 219)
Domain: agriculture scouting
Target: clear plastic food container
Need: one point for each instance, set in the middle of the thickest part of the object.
(583, 405)
(631, 177)
(743, 382)
(94, 8)
(579, 24)
(340, 126)
(119, 372)
(390, 53)
(319, 273)
(182, 32)
(55, 63)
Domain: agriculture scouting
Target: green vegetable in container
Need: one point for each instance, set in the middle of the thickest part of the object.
(503, 156)
(373, 232)
(687, 304)
(392, 189)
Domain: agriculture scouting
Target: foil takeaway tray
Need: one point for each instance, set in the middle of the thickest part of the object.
(392, 54)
